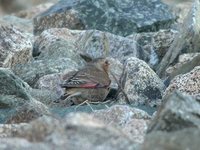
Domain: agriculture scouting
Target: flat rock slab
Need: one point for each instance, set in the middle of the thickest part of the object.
(115, 16)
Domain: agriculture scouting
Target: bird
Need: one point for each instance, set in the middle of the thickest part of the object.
(89, 83)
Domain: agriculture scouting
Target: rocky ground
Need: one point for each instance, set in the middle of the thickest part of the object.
(154, 51)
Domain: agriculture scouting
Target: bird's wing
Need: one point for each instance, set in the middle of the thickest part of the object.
(80, 80)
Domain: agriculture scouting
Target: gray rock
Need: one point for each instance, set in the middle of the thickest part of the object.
(186, 41)
(180, 8)
(7, 130)
(188, 83)
(101, 44)
(132, 121)
(15, 97)
(118, 17)
(154, 45)
(178, 112)
(15, 47)
(33, 11)
(187, 139)
(70, 133)
(33, 70)
(141, 84)
(24, 25)
(185, 64)
(92, 42)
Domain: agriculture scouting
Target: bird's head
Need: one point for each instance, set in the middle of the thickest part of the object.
(99, 63)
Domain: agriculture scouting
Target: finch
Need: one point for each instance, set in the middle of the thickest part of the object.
(89, 83)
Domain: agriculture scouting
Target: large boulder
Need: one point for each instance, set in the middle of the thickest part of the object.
(118, 17)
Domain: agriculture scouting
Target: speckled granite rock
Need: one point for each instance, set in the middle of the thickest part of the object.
(154, 45)
(187, 139)
(15, 97)
(188, 83)
(185, 64)
(141, 84)
(92, 42)
(178, 111)
(186, 41)
(131, 121)
(69, 133)
(15, 47)
(118, 17)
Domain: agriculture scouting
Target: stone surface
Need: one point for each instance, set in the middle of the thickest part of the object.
(33, 70)
(180, 8)
(92, 42)
(69, 44)
(25, 25)
(15, 97)
(185, 64)
(70, 133)
(186, 41)
(15, 47)
(141, 84)
(154, 45)
(7, 130)
(131, 121)
(178, 112)
(33, 11)
(113, 16)
(188, 83)
(187, 139)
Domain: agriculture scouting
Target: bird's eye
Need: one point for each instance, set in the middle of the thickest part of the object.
(106, 62)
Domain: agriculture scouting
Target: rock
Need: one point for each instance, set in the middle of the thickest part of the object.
(187, 139)
(7, 130)
(15, 47)
(186, 41)
(22, 144)
(101, 44)
(69, 133)
(154, 45)
(179, 111)
(188, 83)
(180, 8)
(141, 84)
(113, 16)
(25, 25)
(28, 112)
(54, 50)
(16, 103)
(185, 64)
(131, 121)
(33, 11)
(32, 71)
(91, 42)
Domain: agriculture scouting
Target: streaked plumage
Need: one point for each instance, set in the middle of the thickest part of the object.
(89, 83)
